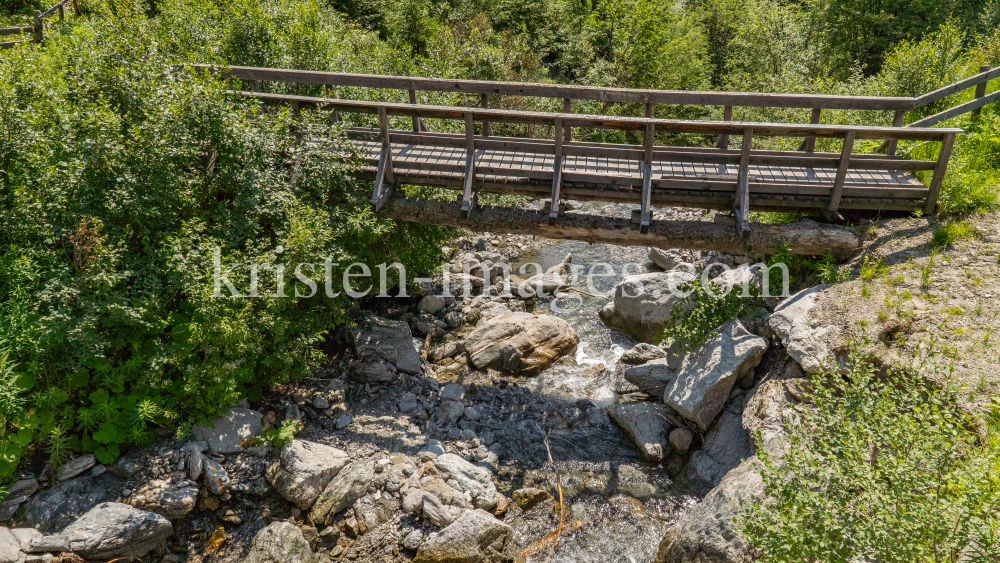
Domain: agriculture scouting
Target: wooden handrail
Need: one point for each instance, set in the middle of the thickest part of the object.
(957, 87)
(563, 91)
(607, 122)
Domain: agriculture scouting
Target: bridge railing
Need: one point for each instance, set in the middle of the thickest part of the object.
(37, 28)
(252, 76)
(645, 154)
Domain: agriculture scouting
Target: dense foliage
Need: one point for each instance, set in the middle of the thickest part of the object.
(120, 176)
(120, 172)
(880, 469)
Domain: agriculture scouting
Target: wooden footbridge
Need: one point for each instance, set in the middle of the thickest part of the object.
(722, 177)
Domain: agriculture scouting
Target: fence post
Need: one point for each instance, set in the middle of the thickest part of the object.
(36, 25)
(567, 131)
(980, 92)
(891, 144)
(62, 12)
(76, 8)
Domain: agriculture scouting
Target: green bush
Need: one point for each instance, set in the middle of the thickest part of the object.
(879, 469)
(120, 176)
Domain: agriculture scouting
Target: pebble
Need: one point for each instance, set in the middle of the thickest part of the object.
(344, 420)
(320, 402)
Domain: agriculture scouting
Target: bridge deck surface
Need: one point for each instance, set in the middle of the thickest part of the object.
(698, 184)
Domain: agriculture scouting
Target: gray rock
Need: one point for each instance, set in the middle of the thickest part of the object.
(280, 542)
(452, 391)
(643, 303)
(110, 530)
(413, 540)
(520, 342)
(75, 466)
(475, 537)
(372, 513)
(343, 490)
(215, 476)
(53, 508)
(435, 446)
(680, 440)
(413, 502)
(706, 532)
(770, 407)
(10, 547)
(806, 339)
(26, 535)
(707, 375)
(435, 512)
(17, 494)
(646, 424)
(320, 402)
(304, 469)
(450, 411)
(652, 377)
(171, 499)
(446, 350)
(666, 259)
(476, 481)
(408, 403)
(725, 446)
(343, 421)
(472, 413)
(642, 353)
(386, 341)
(225, 434)
(431, 304)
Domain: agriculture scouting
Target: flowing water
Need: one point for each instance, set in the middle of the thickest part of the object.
(618, 507)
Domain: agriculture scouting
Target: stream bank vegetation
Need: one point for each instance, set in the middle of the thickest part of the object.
(880, 466)
(119, 172)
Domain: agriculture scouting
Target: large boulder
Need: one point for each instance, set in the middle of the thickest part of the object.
(652, 377)
(10, 547)
(706, 377)
(279, 542)
(806, 338)
(173, 499)
(304, 469)
(725, 446)
(53, 508)
(110, 530)
(475, 480)
(642, 353)
(520, 342)
(475, 537)
(386, 348)
(343, 490)
(225, 434)
(706, 532)
(646, 425)
(643, 303)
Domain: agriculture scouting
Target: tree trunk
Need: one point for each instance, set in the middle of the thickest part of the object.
(804, 237)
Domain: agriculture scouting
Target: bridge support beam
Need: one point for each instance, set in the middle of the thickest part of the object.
(804, 237)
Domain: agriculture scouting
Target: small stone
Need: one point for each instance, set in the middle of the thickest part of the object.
(530, 497)
(279, 542)
(320, 402)
(75, 466)
(343, 421)
(413, 540)
(472, 413)
(680, 440)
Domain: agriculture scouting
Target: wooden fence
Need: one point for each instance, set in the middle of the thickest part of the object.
(37, 28)
(253, 76)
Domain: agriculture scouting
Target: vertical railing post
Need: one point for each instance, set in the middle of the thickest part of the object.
(980, 92)
(36, 25)
(470, 166)
(418, 124)
(809, 144)
(645, 214)
(76, 8)
(487, 126)
(891, 144)
(741, 203)
(384, 174)
(557, 166)
(567, 131)
(727, 115)
(939, 170)
(62, 11)
(841, 178)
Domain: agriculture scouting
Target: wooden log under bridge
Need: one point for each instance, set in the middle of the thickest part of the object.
(803, 237)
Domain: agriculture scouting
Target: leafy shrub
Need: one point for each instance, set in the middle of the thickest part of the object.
(121, 179)
(704, 310)
(879, 469)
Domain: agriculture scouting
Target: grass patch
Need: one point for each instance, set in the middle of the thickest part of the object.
(951, 232)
